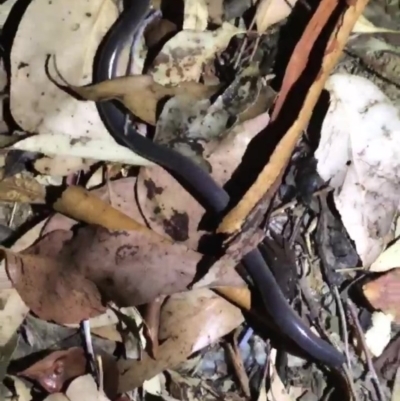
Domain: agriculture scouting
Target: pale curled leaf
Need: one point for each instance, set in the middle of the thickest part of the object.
(84, 147)
(269, 12)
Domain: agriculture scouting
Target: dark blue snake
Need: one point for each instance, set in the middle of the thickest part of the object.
(201, 185)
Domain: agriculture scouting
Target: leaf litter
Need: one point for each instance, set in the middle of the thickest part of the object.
(120, 286)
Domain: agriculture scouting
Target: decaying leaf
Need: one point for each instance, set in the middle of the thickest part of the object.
(182, 57)
(360, 127)
(22, 188)
(189, 322)
(383, 293)
(179, 217)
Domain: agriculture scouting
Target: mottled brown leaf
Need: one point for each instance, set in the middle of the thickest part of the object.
(384, 293)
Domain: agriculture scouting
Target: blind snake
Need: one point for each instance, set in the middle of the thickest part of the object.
(201, 186)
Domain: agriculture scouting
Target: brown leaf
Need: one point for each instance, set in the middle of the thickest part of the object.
(178, 217)
(384, 293)
(58, 277)
(52, 290)
(263, 187)
(189, 322)
(56, 368)
(22, 188)
(140, 94)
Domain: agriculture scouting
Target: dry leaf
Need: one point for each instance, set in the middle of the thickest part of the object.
(140, 94)
(38, 105)
(182, 57)
(53, 293)
(85, 388)
(269, 12)
(22, 188)
(59, 277)
(179, 217)
(189, 322)
(53, 371)
(195, 15)
(383, 293)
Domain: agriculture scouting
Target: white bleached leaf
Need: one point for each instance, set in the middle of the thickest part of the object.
(358, 155)
(53, 144)
(378, 336)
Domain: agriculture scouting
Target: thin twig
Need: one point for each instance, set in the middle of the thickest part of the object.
(374, 377)
(14, 209)
(342, 316)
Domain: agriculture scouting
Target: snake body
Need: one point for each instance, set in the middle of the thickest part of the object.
(201, 185)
